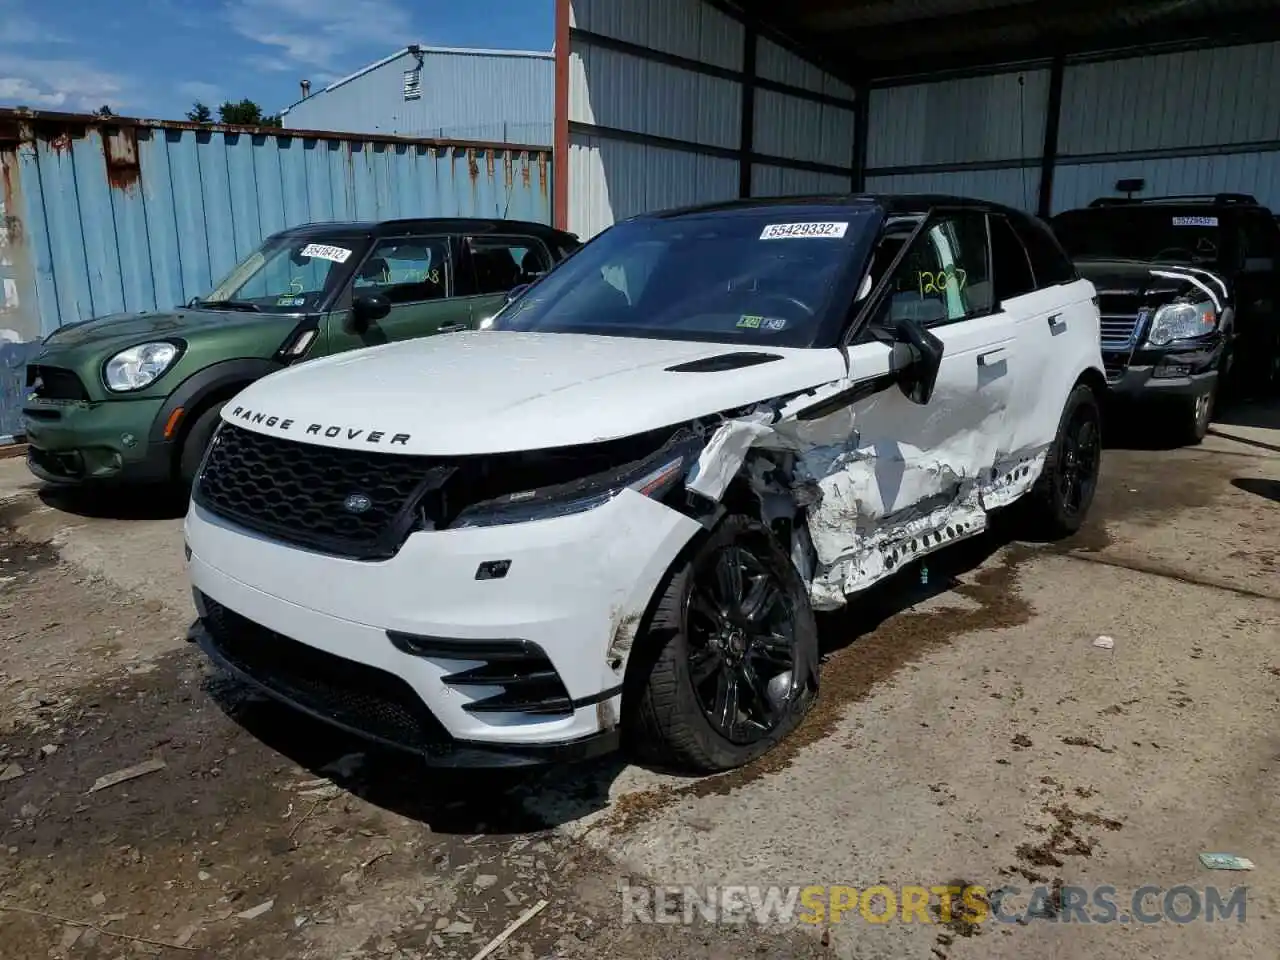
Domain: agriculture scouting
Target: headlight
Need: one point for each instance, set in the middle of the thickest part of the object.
(1181, 321)
(652, 476)
(138, 366)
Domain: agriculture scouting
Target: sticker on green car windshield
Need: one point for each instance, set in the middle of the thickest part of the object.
(291, 301)
(751, 322)
(326, 252)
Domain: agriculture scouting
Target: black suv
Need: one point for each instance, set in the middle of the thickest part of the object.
(1188, 290)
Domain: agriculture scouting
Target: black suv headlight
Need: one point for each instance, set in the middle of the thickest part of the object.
(1181, 321)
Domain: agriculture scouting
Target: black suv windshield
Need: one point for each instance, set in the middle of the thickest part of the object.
(761, 277)
(287, 275)
(1131, 232)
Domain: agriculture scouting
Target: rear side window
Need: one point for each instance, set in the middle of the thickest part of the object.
(1009, 263)
(1049, 262)
(500, 263)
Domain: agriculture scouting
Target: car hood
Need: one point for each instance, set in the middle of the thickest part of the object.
(1151, 283)
(480, 392)
(116, 331)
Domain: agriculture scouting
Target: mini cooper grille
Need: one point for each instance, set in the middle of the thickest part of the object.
(54, 383)
(360, 698)
(344, 502)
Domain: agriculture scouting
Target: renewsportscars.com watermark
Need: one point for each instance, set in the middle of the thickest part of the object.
(942, 904)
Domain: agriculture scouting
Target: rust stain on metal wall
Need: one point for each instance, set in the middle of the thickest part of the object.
(542, 174)
(473, 168)
(508, 168)
(490, 161)
(120, 148)
(526, 169)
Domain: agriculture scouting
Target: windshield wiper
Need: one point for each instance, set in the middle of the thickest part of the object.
(247, 306)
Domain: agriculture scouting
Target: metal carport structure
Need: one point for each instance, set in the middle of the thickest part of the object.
(1038, 104)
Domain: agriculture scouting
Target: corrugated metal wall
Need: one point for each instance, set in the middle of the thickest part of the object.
(498, 96)
(137, 217)
(650, 133)
(997, 121)
(1199, 121)
(124, 216)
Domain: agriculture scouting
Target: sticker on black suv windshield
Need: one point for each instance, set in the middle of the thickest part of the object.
(797, 231)
(1195, 221)
(325, 252)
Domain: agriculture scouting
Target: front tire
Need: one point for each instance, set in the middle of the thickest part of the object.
(1059, 502)
(194, 445)
(1194, 416)
(728, 666)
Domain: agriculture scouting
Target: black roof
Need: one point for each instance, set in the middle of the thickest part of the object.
(395, 228)
(1208, 201)
(891, 203)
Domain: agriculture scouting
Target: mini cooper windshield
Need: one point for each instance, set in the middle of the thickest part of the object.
(287, 274)
(762, 278)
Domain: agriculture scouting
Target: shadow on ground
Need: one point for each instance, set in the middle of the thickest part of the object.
(117, 503)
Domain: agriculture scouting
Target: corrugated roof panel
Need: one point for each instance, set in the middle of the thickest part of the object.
(613, 89)
(776, 63)
(989, 118)
(770, 181)
(615, 179)
(797, 129)
(1014, 187)
(1195, 98)
(686, 28)
(1076, 184)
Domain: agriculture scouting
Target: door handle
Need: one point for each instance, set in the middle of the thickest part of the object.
(991, 357)
(453, 328)
(1056, 321)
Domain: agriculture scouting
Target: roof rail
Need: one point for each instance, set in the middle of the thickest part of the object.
(1217, 199)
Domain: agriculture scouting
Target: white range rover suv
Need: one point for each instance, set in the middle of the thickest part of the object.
(608, 515)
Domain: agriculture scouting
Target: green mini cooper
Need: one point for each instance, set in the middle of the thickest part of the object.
(135, 397)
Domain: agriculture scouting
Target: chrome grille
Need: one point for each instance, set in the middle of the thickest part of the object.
(1118, 332)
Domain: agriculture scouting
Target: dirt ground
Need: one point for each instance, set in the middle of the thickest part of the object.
(969, 729)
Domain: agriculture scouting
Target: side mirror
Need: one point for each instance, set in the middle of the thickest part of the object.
(917, 357)
(515, 291)
(367, 310)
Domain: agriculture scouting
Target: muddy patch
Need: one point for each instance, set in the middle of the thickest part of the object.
(873, 640)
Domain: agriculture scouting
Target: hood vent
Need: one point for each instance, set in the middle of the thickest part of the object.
(724, 361)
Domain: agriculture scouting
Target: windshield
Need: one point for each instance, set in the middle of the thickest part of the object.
(287, 275)
(1140, 233)
(762, 278)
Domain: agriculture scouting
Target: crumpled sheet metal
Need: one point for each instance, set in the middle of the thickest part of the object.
(882, 502)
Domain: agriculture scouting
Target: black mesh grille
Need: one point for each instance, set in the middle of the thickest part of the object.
(298, 492)
(55, 383)
(358, 697)
(1114, 365)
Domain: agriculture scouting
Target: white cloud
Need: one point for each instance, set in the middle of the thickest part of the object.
(61, 84)
(321, 33)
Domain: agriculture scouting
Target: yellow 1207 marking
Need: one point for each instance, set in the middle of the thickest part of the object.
(937, 282)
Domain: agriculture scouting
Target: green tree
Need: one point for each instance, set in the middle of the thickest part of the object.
(246, 113)
(104, 111)
(199, 113)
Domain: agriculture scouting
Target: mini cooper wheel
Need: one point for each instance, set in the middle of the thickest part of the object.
(1060, 500)
(729, 663)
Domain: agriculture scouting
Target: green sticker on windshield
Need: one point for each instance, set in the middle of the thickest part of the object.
(291, 301)
(751, 322)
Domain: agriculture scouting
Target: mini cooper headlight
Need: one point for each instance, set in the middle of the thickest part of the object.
(1181, 321)
(139, 366)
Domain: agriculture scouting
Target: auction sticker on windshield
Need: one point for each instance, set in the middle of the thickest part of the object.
(326, 252)
(1195, 221)
(796, 231)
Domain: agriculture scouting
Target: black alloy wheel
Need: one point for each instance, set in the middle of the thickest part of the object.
(740, 627)
(1080, 455)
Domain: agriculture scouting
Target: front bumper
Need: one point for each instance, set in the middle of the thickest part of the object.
(416, 652)
(74, 442)
(1141, 383)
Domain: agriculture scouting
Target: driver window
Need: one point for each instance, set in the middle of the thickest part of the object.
(405, 270)
(946, 274)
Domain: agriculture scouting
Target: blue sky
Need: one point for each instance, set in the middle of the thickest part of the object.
(153, 58)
